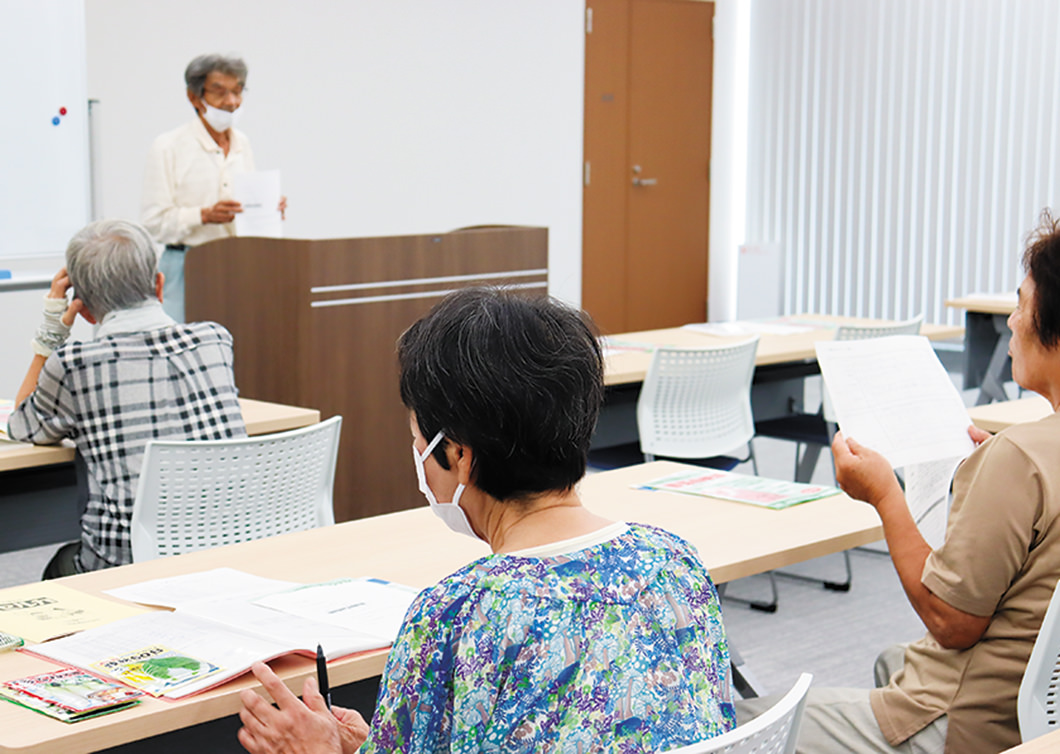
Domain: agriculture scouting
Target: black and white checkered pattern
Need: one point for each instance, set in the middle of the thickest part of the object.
(110, 396)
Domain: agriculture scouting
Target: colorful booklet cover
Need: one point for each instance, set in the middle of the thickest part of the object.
(156, 669)
(766, 493)
(69, 694)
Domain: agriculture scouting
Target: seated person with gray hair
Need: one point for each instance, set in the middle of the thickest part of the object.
(141, 377)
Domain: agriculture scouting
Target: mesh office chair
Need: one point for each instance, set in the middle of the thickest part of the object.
(815, 431)
(202, 494)
(695, 405)
(1037, 703)
(775, 731)
(696, 402)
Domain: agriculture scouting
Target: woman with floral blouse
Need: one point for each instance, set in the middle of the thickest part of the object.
(577, 634)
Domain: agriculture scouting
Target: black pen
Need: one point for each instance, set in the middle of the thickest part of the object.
(322, 676)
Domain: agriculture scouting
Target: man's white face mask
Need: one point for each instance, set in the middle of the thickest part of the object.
(451, 513)
(220, 120)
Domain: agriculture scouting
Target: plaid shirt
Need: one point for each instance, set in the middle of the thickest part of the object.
(110, 396)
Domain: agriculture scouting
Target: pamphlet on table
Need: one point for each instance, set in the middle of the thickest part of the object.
(46, 610)
(69, 694)
(740, 488)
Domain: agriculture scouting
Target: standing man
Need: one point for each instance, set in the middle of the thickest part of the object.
(188, 184)
(141, 377)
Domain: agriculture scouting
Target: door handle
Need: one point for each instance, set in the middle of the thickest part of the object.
(638, 181)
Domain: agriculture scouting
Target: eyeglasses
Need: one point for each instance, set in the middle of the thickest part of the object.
(221, 92)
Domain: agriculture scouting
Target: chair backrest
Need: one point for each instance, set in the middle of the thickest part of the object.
(696, 402)
(775, 731)
(864, 332)
(201, 494)
(1037, 702)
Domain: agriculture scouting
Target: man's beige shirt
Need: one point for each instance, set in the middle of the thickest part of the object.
(186, 171)
(1001, 558)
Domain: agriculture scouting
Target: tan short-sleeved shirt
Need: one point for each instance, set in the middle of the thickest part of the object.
(1001, 558)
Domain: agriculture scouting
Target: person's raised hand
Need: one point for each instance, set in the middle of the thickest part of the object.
(59, 287)
(60, 284)
(863, 474)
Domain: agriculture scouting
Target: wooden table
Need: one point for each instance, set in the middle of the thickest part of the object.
(773, 349)
(986, 336)
(260, 418)
(994, 417)
(413, 547)
(1047, 744)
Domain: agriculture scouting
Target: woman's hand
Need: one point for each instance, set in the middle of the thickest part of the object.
(293, 726)
(979, 436)
(862, 473)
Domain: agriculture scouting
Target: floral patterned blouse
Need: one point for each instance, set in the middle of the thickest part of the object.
(615, 647)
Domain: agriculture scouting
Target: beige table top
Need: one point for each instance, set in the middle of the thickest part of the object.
(260, 418)
(413, 547)
(1047, 744)
(985, 303)
(631, 366)
(994, 417)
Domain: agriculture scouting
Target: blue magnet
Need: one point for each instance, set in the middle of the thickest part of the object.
(55, 120)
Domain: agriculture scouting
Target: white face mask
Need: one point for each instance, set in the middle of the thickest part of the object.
(220, 120)
(451, 513)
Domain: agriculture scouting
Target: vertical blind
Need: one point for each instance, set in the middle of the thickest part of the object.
(899, 152)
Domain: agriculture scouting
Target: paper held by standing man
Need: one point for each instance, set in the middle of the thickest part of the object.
(259, 193)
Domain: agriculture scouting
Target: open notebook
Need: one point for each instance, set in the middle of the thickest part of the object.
(224, 622)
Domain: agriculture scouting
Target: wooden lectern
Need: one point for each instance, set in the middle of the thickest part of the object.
(315, 324)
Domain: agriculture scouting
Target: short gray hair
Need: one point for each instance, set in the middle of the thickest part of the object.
(112, 266)
(201, 67)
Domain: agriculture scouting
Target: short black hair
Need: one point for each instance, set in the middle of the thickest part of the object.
(1041, 260)
(519, 380)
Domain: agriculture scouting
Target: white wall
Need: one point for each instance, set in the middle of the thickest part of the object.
(384, 116)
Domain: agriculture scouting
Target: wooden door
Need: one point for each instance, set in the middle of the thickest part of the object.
(648, 67)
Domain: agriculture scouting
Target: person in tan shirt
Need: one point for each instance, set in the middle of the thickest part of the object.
(983, 594)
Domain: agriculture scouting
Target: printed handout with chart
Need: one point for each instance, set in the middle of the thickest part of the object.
(225, 621)
(894, 396)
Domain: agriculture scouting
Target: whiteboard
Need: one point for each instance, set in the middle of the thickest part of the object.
(44, 147)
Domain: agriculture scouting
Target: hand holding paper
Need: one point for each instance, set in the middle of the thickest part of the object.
(863, 473)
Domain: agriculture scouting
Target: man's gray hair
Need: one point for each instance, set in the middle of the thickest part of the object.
(201, 67)
(112, 266)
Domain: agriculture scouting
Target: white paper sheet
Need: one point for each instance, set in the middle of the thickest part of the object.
(927, 492)
(178, 591)
(893, 395)
(260, 194)
(349, 603)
